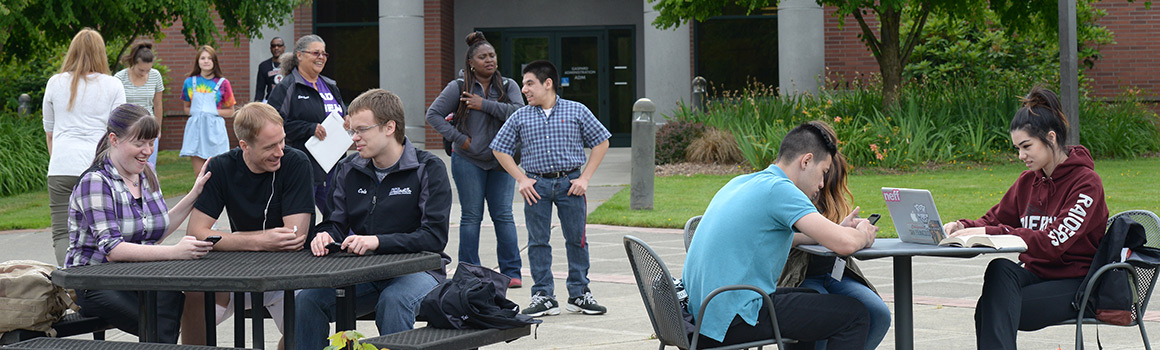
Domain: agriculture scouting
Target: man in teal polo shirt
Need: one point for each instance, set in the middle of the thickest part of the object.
(746, 235)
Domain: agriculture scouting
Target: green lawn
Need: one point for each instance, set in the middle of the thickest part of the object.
(30, 210)
(964, 192)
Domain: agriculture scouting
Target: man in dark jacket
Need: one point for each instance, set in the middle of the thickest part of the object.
(269, 72)
(389, 198)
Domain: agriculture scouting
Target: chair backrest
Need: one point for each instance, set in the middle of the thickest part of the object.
(1147, 275)
(690, 229)
(657, 290)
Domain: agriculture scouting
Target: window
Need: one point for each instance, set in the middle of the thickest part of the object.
(735, 48)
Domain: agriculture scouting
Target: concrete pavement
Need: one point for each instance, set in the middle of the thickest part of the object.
(945, 289)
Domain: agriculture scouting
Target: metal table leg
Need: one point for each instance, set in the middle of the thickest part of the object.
(344, 319)
(147, 328)
(258, 315)
(239, 320)
(210, 318)
(903, 304)
(288, 321)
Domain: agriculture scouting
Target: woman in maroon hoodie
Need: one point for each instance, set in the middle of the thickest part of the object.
(1057, 207)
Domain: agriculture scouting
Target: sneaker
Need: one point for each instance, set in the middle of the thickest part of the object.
(516, 283)
(585, 303)
(542, 304)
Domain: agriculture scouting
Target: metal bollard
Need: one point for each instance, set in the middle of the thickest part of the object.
(699, 84)
(24, 107)
(644, 140)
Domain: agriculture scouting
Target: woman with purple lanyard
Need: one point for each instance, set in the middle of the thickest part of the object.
(305, 98)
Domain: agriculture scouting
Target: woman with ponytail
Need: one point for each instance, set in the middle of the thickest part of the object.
(143, 84)
(469, 112)
(77, 101)
(1058, 180)
(117, 213)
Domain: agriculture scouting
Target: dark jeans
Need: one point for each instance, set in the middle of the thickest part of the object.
(573, 213)
(122, 310)
(1015, 299)
(806, 317)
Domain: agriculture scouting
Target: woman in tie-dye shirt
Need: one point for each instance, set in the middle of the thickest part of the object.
(209, 99)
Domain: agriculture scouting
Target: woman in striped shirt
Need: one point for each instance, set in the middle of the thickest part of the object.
(143, 84)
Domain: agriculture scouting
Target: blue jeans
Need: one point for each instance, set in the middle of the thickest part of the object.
(879, 313)
(573, 213)
(475, 185)
(394, 302)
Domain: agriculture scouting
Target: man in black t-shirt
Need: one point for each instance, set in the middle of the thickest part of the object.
(269, 71)
(267, 189)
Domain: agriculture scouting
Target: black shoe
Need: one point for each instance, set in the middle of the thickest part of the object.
(541, 305)
(585, 303)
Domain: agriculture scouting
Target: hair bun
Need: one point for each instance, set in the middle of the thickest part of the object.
(474, 38)
(1037, 97)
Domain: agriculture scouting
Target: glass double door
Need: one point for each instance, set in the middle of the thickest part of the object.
(594, 68)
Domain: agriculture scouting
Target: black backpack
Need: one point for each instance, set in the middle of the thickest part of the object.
(475, 298)
(1111, 299)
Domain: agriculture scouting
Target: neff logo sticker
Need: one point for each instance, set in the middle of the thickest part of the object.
(892, 195)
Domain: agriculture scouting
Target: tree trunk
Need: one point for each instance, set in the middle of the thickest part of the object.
(890, 62)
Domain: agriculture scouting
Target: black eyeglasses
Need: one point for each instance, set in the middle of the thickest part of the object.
(277, 45)
(317, 54)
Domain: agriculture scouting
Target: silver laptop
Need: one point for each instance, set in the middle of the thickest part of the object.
(914, 215)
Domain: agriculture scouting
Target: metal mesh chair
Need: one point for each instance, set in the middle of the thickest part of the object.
(664, 310)
(1143, 277)
(690, 228)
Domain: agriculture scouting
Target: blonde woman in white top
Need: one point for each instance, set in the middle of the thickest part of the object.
(143, 84)
(77, 102)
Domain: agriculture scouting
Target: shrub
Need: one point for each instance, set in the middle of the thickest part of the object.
(1136, 127)
(714, 146)
(935, 123)
(24, 162)
(673, 138)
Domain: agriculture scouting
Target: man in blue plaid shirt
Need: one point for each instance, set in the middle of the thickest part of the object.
(551, 134)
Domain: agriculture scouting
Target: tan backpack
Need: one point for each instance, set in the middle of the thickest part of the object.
(28, 299)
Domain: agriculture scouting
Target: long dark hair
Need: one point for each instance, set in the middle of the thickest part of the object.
(128, 122)
(140, 52)
(1041, 113)
(474, 41)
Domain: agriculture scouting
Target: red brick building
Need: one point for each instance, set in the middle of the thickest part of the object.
(632, 58)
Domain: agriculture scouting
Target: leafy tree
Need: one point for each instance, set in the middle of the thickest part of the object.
(28, 27)
(983, 50)
(891, 45)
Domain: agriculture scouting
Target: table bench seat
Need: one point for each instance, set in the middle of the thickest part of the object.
(428, 338)
(82, 344)
(69, 325)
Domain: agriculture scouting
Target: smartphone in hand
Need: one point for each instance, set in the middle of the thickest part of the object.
(213, 239)
(334, 247)
(874, 218)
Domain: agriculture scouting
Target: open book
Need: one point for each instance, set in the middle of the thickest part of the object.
(996, 241)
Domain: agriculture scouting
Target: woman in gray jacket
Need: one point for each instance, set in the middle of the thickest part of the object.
(469, 112)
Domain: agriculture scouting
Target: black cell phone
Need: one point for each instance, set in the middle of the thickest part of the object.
(874, 218)
(213, 239)
(334, 247)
